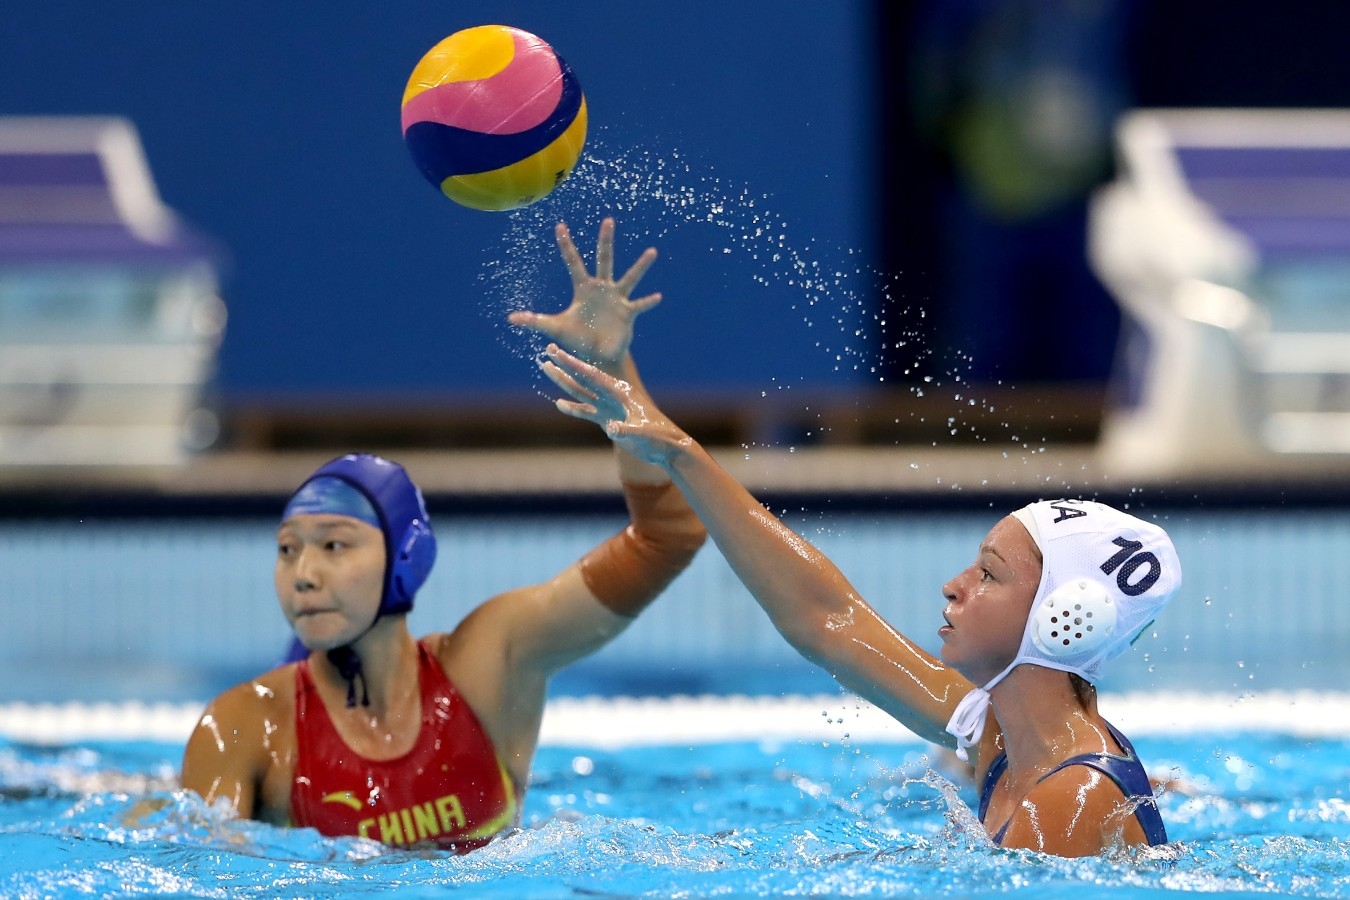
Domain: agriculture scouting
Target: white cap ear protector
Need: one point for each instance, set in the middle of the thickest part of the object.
(1076, 618)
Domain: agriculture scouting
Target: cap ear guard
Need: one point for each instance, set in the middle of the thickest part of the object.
(1077, 617)
(414, 555)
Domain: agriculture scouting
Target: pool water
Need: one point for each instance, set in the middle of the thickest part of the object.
(1251, 811)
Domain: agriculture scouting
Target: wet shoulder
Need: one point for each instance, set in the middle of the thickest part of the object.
(269, 696)
(1083, 788)
(1078, 811)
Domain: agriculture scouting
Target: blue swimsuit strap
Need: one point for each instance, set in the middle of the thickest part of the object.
(1125, 771)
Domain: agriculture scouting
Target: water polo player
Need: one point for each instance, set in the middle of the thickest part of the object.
(1012, 690)
(429, 742)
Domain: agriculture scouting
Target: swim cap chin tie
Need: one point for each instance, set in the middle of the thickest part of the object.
(967, 722)
(348, 663)
(1105, 576)
(380, 493)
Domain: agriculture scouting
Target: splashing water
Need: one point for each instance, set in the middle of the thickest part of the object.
(773, 818)
(859, 326)
(832, 291)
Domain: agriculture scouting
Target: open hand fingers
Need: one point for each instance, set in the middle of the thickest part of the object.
(575, 368)
(635, 272)
(587, 382)
(604, 251)
(565, 381)
(642, 304)
(545, 323)
(576, 266)
(577, 410)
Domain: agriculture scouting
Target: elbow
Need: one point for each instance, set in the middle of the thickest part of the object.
(817, 631)
(797, 628)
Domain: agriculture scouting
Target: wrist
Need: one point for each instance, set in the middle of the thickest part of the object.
(683, 455)
(621, 367)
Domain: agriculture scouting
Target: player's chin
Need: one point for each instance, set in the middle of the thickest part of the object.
(316, 634)
(950, 654)
(946, 633)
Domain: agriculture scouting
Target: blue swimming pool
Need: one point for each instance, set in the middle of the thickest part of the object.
(760, 796)
(1258, 806)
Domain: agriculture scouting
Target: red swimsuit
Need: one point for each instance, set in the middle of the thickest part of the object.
(449, 790)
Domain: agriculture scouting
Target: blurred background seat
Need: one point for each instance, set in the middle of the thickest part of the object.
(1226, 241)
(110, 315)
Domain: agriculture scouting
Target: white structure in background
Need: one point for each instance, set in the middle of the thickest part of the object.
(1226, 241)
(110, 315)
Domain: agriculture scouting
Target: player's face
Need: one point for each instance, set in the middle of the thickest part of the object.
(988, 603)
(329, 576)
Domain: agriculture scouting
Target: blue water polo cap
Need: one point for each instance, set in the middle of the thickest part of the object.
(330, 495)
(379, 492)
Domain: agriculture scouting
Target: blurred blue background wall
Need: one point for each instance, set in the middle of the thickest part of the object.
(274, 128)
(807, 170)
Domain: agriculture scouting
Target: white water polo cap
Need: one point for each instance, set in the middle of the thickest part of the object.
(1105, 576)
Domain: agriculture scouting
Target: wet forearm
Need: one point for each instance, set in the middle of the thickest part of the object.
(796, 585)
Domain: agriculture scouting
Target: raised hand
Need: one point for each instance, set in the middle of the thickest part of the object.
(598, 324)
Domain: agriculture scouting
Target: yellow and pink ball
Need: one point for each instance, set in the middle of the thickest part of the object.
(494, 117)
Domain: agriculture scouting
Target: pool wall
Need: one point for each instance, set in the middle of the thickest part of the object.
(176, 609)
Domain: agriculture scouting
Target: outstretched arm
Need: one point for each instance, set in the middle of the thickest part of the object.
(806, 596)
(629, 570)
(527, 634)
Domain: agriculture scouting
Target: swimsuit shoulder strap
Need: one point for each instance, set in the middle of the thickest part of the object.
(996, 770)
(1128, 774)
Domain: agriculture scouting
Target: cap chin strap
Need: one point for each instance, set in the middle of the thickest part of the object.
(967, 722)
(348, 663)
